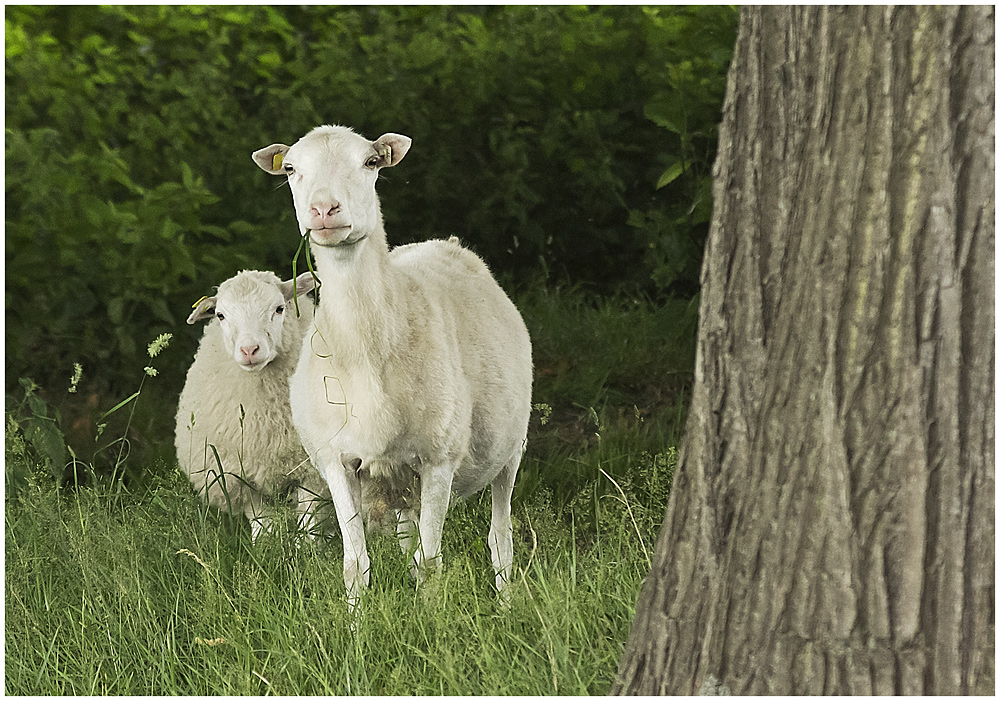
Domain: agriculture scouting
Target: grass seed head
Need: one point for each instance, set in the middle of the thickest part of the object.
(161, 342)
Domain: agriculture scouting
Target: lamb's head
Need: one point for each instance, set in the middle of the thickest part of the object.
(251, 308)
(332, 172)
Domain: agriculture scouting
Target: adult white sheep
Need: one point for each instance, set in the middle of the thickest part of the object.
(418, 367)
(235, 399)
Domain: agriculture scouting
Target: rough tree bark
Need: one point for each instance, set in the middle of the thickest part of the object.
(831, 526)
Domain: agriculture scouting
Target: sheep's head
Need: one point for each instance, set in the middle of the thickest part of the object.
(332, 172)
(251, 308)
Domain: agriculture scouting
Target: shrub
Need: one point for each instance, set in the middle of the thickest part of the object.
(562, 143)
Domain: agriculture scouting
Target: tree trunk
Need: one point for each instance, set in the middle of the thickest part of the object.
(831, 526)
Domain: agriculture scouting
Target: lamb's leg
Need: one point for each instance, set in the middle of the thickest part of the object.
(307, 508)
(257, 526)
(257, 514)
(501, 538)
(345, 488)
(435, 493)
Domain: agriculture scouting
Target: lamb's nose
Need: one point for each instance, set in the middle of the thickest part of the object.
(248, 352)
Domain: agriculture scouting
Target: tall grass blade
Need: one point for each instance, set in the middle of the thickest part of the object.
(119, 405)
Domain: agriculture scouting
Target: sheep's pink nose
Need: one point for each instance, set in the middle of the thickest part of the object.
(323, 212)
(248, 352)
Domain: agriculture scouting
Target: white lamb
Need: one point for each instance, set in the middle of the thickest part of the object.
(234, 406)
(416, 378)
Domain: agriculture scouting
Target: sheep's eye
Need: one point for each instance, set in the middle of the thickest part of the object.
(220, 316)
(280, 310)
(371, 162)
(289, 169)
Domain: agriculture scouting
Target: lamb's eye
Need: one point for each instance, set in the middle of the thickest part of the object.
(371, 162)
(280, 309)
(220, 316)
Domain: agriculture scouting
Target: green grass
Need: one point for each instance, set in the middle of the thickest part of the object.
(147, 591)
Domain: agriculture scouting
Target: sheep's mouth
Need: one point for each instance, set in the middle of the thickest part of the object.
(253, 366)
(333, 238)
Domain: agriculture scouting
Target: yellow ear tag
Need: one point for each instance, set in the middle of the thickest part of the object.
(276, 161)
(195, 305)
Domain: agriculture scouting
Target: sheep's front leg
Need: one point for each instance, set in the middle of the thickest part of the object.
(435, 493)
(345, 488)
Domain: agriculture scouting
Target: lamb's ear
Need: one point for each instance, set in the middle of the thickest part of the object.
(391, 148)
(270, 157)
(204, 308)
(303, 283)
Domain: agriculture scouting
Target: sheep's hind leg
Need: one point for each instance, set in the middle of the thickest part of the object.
(435, 493)
(501, 537)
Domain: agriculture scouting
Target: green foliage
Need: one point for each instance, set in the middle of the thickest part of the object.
(40, 428)
(689, 50)
(567, 142)
(35, 442)
(35, 433)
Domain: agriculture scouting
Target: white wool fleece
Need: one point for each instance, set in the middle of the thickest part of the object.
(238, 402)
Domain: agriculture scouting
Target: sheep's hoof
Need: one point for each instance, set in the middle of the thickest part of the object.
(430, 589)
(504, 598)
(428, 576)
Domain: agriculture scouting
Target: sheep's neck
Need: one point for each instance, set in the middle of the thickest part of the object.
(359, 302)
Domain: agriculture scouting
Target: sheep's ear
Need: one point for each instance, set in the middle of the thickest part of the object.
(270, 157)
(391, 148)
(204, 308)
(303, 283)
